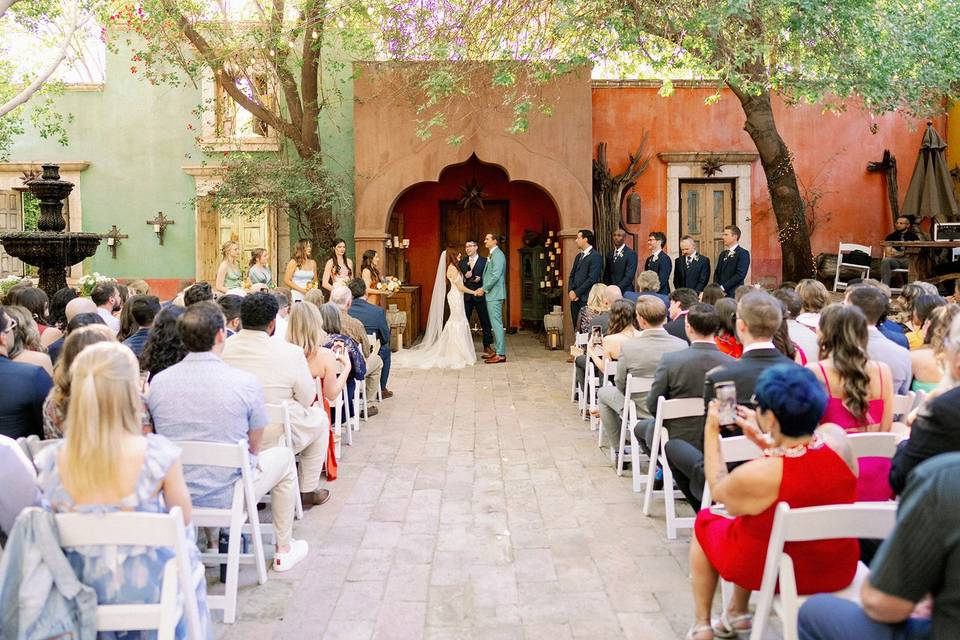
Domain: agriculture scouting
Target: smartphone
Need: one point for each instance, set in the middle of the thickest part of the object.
(726, 393)
(596, 334)
(338, 347)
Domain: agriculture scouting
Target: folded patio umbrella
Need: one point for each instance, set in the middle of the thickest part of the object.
(930, 194)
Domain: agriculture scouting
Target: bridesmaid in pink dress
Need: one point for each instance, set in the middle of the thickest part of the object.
(860, 390)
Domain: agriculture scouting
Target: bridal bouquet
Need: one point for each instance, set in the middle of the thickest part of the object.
(390, 284)
(86, 284)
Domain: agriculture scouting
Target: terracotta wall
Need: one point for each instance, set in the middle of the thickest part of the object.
(831, 153)
(530, 208)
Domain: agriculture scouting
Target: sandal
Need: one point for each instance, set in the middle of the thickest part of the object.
(695, 632)
(731, 627)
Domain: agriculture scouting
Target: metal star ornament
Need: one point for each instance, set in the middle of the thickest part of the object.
(473, 195)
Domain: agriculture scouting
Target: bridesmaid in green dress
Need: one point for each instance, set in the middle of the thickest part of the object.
(229, 275)
(259, 271)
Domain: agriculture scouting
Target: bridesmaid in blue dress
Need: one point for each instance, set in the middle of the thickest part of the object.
(105, 464)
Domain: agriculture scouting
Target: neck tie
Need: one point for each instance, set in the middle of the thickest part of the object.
(689, 260)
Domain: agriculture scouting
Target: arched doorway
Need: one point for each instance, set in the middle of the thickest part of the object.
(432, 214)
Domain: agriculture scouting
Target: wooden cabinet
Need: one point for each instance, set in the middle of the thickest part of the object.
(533, 303)
(408, 300)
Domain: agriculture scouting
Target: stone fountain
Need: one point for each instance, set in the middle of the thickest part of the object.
(50, 249)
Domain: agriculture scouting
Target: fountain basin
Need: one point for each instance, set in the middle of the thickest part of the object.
(52, 252)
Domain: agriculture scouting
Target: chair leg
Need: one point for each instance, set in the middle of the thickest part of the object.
(668, 499)
(635, 462)
(233, 571)
(655, 448)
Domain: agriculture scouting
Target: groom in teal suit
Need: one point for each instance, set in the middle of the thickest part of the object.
(495, 291)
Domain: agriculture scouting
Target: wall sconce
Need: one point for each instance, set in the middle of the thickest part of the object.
(113, 238)
(160, 223)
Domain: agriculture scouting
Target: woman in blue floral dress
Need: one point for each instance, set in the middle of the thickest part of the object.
(106, 464)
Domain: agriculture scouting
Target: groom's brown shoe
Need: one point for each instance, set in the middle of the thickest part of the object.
(488, 351)
(497, 359)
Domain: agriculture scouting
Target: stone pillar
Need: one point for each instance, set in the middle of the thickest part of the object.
(569, 246)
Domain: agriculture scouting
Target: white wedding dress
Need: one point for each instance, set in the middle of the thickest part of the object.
(450, 347)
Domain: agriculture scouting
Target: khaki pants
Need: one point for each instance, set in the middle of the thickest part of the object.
(372, 381)
(310, 443)
(274, 475)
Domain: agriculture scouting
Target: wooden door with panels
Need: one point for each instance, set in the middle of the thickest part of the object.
(706, 207)
(215, 228)
(10, 220)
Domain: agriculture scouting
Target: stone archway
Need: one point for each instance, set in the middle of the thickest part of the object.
(554, 153)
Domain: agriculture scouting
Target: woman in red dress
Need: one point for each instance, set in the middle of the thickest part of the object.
(801, 465)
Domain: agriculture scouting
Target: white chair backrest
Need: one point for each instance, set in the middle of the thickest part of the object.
(903, 404)
(679, 408)
(215, 454)
(739, 449)
(609, 368)
(278, 413)
(637, 385)
(581, 339)
(873, 445)
(846, 247)
(869, 520)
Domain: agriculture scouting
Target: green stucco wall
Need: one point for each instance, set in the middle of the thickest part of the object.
(137, 138)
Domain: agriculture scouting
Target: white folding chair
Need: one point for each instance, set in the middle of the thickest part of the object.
(871, 520)
(864, 270)
(341, 420)
(903, 404)
(667, 410)
(141, 530)
(628, 420)
(576, 393)
(32, 445)
(375, 345)
(280, 414)
(240, 518)
(873, 444)
(733, 449)
(593, 382)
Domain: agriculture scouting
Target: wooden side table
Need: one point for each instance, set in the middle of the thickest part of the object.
(407, 300)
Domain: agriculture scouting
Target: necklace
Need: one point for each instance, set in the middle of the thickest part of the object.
(796, 450)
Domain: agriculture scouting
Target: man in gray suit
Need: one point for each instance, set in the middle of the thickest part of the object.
(681, 374)
(639, 356)
(873, 302)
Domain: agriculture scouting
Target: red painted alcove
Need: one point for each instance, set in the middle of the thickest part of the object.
(530, 208)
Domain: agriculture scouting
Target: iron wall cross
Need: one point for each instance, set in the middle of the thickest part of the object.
(113, 238)
(160, 223)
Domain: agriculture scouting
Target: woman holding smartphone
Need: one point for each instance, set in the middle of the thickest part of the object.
(337, 342)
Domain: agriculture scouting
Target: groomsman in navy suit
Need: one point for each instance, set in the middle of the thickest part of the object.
(733, 263)
(587, 271)
(471, 266)
(621, 263)
(659, 261)
(690, 269)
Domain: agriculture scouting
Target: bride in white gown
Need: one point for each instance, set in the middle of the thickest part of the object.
(449, 347)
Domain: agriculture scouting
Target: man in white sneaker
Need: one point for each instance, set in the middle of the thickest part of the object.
(203, 398)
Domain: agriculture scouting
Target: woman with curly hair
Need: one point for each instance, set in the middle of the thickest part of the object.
(593, 308)
(928, 365)
(923, 306)
(860, 389)
(163, 347)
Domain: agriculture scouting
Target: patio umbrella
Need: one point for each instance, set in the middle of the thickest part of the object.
(930, 194)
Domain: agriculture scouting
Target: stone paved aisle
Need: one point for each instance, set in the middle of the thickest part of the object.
(476, 505)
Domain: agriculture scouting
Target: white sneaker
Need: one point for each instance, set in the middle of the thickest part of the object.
(290, 559)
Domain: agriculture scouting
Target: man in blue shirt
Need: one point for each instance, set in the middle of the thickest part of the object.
(374, 320)
(143, 309)
(203, 398)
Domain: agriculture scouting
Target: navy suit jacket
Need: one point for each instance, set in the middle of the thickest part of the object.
(138, 341)
(373, 319)
(585, 273)
(623, 271)
(732, 269)
(696, 276)
(477, 272)
(25, 387)
(663, 267)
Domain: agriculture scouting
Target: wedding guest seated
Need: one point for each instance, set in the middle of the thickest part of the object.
(203, 398)
(343, 299)
(923, 306)
(790, 402)
(138, 287)
(873, 303)
(640, 357)
(593, 308)
(144, 310)
(859, 391)
(282, 296)
(803, 338)
(680, 302)
(314, 297)
(758, 318)
(727, 340)
(74, 307)
(106, 464)
(647, 284)
(24, 388)
(19, 481)
(106, 297)
(912, 592)
(163, 347)
(38, 305)
(905, 301)
(783, 343)
(57, 317)
(813, 297)
(26, 347)
(338, 342)
(56, 402)
(927, 361)
(712, 294)
(622, 325)
(197, 292)
(611, 293)
(374, 320)
(892, 330)
(230, 306)
(282, 369)
(681, 374)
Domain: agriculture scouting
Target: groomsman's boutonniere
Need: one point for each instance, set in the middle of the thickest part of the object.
(654, 258)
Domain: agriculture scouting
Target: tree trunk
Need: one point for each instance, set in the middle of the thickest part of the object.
(609, 190)
(777, 161)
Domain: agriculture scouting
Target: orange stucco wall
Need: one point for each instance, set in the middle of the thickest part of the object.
(831, 152)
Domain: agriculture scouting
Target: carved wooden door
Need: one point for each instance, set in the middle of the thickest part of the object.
(10, 220)
(706, 207)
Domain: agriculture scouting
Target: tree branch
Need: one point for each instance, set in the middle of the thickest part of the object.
(288, 84)
(309, 78)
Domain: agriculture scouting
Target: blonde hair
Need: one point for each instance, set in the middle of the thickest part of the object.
(595, 297)
(813, 295)
(26, 337)
(77, 341)
(314, 297)
(304, 328)
(226, 247)
(104, 405)
(138, 287)
(648, 281)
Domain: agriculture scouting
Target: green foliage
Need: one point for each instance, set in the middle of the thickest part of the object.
(31, 211)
